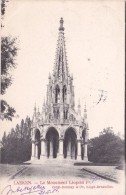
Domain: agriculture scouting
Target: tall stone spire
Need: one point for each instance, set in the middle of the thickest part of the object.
(60, 131)
(61, 68)
(60, 89)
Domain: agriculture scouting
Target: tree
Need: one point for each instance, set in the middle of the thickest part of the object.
(3, 7)
(8, 62)
(8, 54)
(107, 148)
(17, 144)
(4, 138)
(7, 112)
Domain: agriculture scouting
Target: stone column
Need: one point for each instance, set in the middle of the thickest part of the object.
(85, 153)
(33, 150)
(60, 154)
(69, 149)
(51, 149)
(85, 148)
(46, 149)
(43, 149)
(73, 150)
(78, 149)
(61, 114)
(36, 150)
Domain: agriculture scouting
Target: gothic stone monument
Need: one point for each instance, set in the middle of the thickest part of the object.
(60, 131)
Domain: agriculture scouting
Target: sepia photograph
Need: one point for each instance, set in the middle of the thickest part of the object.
(62, 97)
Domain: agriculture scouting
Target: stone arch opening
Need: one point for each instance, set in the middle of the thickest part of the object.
(65, 114)
(70, 144)
(64, 93)
(51, 91)
(57, 114)
(57, 94)
(83, 134)
(52, 138)
(37, 144)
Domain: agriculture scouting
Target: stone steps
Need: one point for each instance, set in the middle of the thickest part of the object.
(52, 161)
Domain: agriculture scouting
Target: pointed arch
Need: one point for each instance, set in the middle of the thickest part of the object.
(52, 137)
(51, 91)
(64, 93)
(57, 93)
(58, 114)
(65, 113)
(70, 143)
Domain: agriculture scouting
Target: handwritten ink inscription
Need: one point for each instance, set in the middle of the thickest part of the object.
(36, 190)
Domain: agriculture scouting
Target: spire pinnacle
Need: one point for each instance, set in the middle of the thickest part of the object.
(49, 76)
(85, 108)
(79, 107)
(60, 68)
(38, 109)
(35, 110)
(79, 102)
(61, 28)
(44, 102)
(35, 107)
(85, 111)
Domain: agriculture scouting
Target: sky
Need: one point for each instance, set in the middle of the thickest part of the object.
(94, 34)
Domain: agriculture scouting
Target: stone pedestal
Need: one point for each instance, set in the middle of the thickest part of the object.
(32, 158)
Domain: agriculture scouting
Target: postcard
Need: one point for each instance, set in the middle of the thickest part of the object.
(62, 97)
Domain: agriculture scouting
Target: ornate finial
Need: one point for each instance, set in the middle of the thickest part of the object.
(85, 111)
(87, 126)
(44, 102)
(79, 103)
(79, 107)
(61, 28)
(49, 76)
(85, 107)
(35, 107)
(34, 110)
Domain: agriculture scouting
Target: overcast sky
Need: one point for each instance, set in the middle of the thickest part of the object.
(94, 34)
